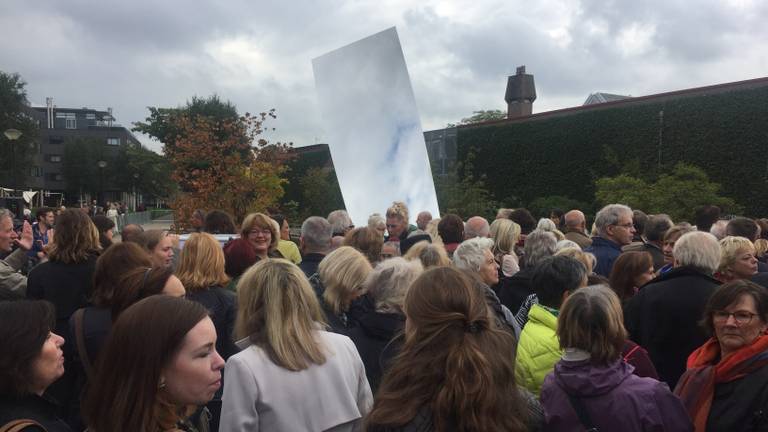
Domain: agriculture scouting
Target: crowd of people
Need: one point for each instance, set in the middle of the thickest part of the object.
(639, 324)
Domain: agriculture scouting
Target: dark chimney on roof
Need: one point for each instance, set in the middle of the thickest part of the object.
(521, 92)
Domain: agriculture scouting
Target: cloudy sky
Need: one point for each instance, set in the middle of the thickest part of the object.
(132, 54)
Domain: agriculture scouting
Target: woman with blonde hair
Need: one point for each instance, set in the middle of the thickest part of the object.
(430, 254)
(340, 280)
(592, 382)
(291, 375)
(201, 270)
(366, 240)
(159, 245)
(453, 371)
(261, 233)
(505, 234)
(737, 259)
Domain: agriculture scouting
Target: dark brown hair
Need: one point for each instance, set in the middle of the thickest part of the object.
(111, 266)
(76, 238)
(136, 284)
(141, 344)
(455, 362)
(24, 327)
(366, 240)
(451, 229)
(627, 267)
(729, 293)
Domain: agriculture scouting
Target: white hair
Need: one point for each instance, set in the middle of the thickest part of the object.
(388, 283)
(699, 250)
(339, 220)
(470, 254)
(565, 244)
(546, 225)
(539, 245)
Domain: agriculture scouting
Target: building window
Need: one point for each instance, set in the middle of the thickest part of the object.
(71, 123)
(36, 171)
(90, 116)
(55, 140)
(54, 158)
(70, 119)
(113, 141)
(54, 177)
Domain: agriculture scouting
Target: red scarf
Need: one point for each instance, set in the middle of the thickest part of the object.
(697, 386)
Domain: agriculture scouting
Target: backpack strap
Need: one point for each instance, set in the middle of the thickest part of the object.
(632, 351)
(80, 342)
(19, 425)
(582, 414)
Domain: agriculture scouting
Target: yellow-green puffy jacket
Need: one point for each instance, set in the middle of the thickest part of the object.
(538, 349)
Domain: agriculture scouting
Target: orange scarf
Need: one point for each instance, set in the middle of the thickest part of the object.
(696, 387)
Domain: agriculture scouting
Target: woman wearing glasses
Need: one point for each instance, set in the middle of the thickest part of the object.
(725, 385)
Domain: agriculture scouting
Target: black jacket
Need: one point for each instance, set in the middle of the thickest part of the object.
(374, 336)
(221, 304)
(664, 318)
(741, 405)
(68, 287)
(310, 262)
(35, 408)
(512, 291)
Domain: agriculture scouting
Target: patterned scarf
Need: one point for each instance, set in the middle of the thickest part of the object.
(696, 387)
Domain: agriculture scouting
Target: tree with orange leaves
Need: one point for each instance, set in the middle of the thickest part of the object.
(220, 161)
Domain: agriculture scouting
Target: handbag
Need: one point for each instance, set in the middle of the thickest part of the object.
(19, 425)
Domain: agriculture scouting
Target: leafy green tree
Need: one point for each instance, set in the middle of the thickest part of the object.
(481, 116)
(464, 195)
(80, 165)
(321, 193)
(678, 193)
(144, 170)
(14, 108)
(541, 206)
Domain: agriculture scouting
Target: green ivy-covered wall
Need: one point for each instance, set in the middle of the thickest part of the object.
(726, 134)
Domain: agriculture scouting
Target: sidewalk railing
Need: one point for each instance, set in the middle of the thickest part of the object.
(139, 218)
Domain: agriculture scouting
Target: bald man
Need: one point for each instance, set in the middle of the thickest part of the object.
(576, 228)
(423, 219)
(476, 226)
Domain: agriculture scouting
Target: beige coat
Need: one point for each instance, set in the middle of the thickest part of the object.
(262, 396)
(10, 278)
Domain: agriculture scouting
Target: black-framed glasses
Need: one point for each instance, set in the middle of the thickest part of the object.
(741, 317)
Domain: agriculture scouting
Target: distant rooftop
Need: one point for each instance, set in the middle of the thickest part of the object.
(597, 98)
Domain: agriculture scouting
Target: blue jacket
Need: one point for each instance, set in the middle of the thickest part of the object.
(606, 252)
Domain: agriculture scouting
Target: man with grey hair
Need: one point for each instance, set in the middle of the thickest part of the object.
(653, 240)
(476, 226)
(423, 219)
(10, 278)
(576, 229)
(340, 222)
(614, 230)
(314, 243)
(718, 229)
(663, 317)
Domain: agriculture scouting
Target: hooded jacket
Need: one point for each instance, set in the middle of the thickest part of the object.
(614, 398)
(538, 350)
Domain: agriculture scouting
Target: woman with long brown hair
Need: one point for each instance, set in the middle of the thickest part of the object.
(455, 370)
(159, 364)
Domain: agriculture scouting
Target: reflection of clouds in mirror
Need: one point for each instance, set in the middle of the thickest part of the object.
(373, 126)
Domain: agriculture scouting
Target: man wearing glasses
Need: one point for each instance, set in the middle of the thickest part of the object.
(615, 229)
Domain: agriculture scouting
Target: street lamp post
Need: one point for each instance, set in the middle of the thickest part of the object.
(102, 164)
(135, 179)
(13, 135)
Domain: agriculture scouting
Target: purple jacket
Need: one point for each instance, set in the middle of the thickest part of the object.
(614, 398)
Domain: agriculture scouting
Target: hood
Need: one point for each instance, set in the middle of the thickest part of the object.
(381, 325)
(582, 378)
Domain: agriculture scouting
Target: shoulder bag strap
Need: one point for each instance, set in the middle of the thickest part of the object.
(80, 341)
(582, 414)
(19, 425)
(632, 351)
